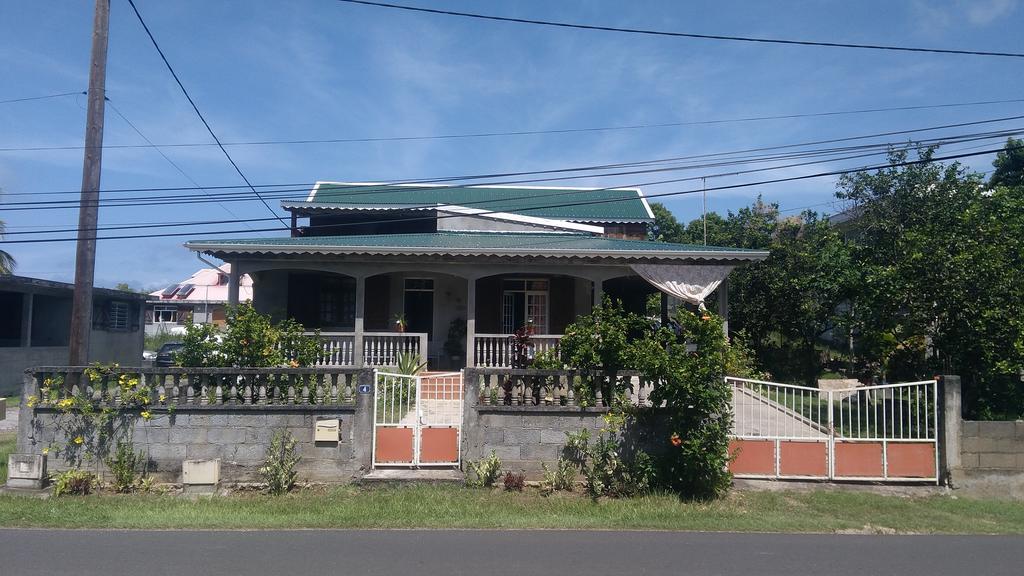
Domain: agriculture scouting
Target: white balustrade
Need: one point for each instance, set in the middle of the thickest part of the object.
(495, 350)
(379, 348)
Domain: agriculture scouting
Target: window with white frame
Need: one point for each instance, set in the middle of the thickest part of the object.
(524, 302)
(165, 314)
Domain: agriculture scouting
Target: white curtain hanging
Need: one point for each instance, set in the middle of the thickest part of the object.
(689, 282)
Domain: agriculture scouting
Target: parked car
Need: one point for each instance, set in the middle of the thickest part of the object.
(148, 355)
(166, 356)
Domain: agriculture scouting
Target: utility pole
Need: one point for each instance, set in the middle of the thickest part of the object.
(88, 210)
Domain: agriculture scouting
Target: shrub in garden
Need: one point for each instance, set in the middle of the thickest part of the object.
(562, 478)
(278, 470)
(126, 466)
(514, 481)
(250, 340)
(73, 482)
(607, 468)
(697, 405)
(484, 472)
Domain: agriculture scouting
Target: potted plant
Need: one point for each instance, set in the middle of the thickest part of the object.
(399, 322)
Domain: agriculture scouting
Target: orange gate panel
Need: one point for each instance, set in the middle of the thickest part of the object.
(394, 445)
(803, 458)
(858, 459)
(911, 459)
(752, 457)
(439, 445)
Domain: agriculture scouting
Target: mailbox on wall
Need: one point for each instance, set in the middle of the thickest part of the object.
(327, 430)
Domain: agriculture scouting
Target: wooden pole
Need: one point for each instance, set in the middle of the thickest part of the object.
(88, 211)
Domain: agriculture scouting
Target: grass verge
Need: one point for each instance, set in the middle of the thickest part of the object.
(431, 506)
(7, 445)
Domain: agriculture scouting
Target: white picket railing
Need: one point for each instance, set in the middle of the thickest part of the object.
(383, 348)
(379, 348)
(495, 350)
(338, 348)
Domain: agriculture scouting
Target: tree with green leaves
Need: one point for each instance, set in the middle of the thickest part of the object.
(6, 260)
(1009, 165)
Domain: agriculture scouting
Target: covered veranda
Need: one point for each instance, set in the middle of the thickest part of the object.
(456, 306)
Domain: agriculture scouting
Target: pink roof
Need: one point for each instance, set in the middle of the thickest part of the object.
(206, 285)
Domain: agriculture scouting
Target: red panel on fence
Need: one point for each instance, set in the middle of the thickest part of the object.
(394, 445)
(803, 458)
(752, 457)
(439, 445)
(911, 459)
(858, 459)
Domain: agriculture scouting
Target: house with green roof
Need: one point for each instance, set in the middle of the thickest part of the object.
(450, 272)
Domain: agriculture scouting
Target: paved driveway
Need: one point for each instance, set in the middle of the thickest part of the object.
(513, 553)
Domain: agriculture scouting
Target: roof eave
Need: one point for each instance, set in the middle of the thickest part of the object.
(568, 253)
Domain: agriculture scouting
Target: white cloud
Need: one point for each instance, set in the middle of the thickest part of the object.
(984, 12)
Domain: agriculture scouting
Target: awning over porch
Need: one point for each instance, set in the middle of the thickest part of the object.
(476, 244)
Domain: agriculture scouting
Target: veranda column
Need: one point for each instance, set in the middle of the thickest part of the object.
(723, 305)
(233, 279)
(26, 319)
(598, 293)
(471, 323)
(357, 341)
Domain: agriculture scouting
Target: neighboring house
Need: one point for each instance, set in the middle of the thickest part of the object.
(463, 266)
(35, 320)
(201, 298)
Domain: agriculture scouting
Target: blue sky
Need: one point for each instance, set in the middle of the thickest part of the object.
(321, 69)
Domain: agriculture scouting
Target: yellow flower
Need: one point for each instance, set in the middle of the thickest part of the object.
(79, 440)
(46, 451)
(32, 401)
(163, 398)
(146, 414)
(293, 363)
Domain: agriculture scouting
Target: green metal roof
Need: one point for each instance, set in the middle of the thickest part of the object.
(473, 244)
(578, 204)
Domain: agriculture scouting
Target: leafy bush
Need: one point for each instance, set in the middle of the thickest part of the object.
(73, 482)
(201, 347)
(126, 466)
(514, 481)
(697, 404)
(563, 477)
(250, 340)
(484, 472)
(278, 470)
(605, 470)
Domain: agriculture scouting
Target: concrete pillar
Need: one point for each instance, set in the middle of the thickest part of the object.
(357, 344)
(471, 323)
(598, 293)
(950, 424)
(362, 420)
(26, 433)
(27, 300)
(723, 305)
(233, 280)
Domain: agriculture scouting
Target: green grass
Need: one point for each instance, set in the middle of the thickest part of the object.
(7, 445)
(427, 506)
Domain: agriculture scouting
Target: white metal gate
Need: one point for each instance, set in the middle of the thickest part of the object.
(867, 433)
(417, 419)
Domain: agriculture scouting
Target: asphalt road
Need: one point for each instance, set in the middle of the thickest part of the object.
(515, 553)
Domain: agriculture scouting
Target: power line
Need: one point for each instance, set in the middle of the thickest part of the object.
(360, 190)
(561, 170)
(471, 135)
(683, 34)
(167, 158)
(31, 98)
(198, 113)
(563, 205)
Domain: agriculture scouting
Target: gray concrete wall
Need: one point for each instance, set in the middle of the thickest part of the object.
(239, 437)
(14, 361)
(991, 460)
(525, 437)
